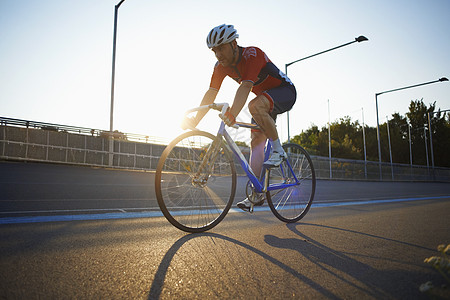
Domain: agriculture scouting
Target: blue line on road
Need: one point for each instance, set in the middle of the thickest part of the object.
(150, 214)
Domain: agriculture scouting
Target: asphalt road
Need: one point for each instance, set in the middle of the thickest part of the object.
(372, 246)
(42, 189)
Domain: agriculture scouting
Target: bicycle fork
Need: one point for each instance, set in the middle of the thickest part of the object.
(207, 164)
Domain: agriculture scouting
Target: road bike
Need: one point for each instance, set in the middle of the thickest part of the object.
(196, 178)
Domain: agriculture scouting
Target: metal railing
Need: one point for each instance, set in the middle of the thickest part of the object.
(81, 130)
(30, 144)
(370, 170)
(45, 142)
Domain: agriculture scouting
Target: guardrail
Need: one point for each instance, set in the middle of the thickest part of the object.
(81, 130)
(369, 170)
(45, 142)
(39, 143)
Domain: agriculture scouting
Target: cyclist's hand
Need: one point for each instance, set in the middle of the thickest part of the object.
(189, 123)
(228, 118)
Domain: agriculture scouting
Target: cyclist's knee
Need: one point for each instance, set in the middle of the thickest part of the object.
(259, 106)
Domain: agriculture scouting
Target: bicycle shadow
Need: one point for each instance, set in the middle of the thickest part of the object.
(340, 266)
(293, 228)
(159, 280)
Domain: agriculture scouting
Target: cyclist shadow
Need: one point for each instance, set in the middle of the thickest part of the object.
(225, 253)
(340, 265)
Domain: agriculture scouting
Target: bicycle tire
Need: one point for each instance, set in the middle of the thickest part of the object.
(188, 203)
(292, 203)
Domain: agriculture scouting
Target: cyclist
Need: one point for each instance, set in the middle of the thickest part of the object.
(253, 70)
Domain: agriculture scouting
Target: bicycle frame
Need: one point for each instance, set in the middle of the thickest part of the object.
(260, 186)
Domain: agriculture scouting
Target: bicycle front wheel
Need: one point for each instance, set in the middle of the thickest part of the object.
(195, 181)
(290, 204)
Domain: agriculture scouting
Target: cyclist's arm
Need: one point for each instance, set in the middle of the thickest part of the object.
(208, 98)
(241, 97)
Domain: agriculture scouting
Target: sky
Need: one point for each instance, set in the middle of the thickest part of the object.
(56, 59)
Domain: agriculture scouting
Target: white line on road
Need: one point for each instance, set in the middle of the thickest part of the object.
(150, 214)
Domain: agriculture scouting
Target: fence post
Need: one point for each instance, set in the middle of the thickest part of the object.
(111, 150)
(26, 145)
(151, 156)
(135, 146)
(85, 150)
(48, 145)
(119, 155)
(4, 139)
(103, 151)
(67, 145)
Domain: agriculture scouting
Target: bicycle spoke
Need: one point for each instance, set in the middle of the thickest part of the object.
(195, 188)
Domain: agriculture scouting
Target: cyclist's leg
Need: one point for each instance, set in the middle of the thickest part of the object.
(271, 103)
(264, 110)
(256, 162)
(283, 98)
(260, 109)
(256, 156)
(257, 151)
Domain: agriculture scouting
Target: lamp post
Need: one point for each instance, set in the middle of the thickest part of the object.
(410, 147)
(378, 123)
(111, 115)
(364, 143)
(390, 149)
(426, 145)
(431, 136)
(359, 39)
(329, 139)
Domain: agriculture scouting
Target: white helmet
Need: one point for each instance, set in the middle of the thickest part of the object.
(222, 34)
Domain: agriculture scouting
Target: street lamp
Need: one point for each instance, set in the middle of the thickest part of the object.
(364, 143)
(390, 149)
(378, 123)
(329, 139)
(410, 147)
(359, 39)
(426, 145)
(429, 129)
(111, 115)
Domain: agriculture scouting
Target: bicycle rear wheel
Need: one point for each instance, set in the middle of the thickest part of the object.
(194, 192)
(292, 203)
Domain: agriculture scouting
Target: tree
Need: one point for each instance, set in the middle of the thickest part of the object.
(309, 139)
(440, 130)
(347, 137)
(344, 134)
(398, 127)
